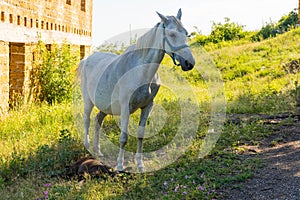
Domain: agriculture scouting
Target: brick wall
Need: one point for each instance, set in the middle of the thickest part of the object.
(299, 12)
(23, 23)
(4, 77)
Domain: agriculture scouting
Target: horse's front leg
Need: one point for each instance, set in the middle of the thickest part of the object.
(88, 106)
(141, 131)
(123, 136)
(98, 121)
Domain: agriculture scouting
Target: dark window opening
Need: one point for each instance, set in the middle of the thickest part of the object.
(2, 16)
(83, 5)
(25, 21)
(18, 20)
(11, 18)
(48, 47)
(82, 51)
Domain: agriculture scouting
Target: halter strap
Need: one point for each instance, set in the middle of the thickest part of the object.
(173, 48)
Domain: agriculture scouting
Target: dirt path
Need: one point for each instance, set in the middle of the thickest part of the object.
(279, 178)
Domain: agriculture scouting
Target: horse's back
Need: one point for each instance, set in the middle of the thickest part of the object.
(98, 60)
(91, 68)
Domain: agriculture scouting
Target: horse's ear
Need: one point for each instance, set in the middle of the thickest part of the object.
(163, 18)
(179, 14)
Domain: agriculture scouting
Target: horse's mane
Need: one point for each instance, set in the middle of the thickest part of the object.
(149, 39)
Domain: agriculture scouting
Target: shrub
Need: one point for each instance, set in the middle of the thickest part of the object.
(221, 32)
(200, 39)
(227, 31)
(53, 72)
(288, 21)
(267, 31)
(272, 29)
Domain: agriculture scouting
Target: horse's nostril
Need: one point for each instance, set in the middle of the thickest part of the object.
(186, 63)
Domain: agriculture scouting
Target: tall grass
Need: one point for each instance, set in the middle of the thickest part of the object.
(38, 141)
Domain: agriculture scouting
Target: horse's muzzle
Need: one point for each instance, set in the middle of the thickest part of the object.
(186, 64)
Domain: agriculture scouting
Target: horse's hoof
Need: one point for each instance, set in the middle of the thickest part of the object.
(141, 168)
(119, 168)
(98, 152)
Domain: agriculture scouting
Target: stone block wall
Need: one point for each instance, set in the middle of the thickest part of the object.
(23, 23)
(4, 77)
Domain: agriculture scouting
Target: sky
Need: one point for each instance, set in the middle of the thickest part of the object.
(114, 17)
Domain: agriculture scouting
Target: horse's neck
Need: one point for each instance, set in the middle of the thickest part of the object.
(150, 46)
(152, 55)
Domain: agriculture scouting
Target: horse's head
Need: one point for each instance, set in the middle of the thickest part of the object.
(175, 41)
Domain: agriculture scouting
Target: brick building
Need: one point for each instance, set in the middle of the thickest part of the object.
(21, 23)
(299, 12)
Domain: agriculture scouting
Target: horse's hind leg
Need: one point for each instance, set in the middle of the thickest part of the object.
(98, 122)
(141, 131)
(123, 136)
(88, 106)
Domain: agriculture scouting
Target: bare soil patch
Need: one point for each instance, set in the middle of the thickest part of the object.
(279, 178)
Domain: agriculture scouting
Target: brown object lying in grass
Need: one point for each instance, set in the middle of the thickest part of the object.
(90, 166)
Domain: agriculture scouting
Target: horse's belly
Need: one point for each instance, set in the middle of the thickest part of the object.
(112, 104)
(142, 97)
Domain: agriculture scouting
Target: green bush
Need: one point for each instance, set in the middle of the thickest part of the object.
(267, 31)
(227, 31)
(220, 33)
(271, 29)
(288, 21)
(200, 39)
(53, 72)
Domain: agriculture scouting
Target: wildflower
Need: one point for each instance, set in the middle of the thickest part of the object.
(184, 192)
(186, 176)
(200, 188)
(46, 193)
(184, 186)
(194, 182)
(172, 179)
(47, 185)
(176, 188)
(165, 183)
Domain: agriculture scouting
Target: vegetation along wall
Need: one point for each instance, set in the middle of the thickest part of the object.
(23, 23)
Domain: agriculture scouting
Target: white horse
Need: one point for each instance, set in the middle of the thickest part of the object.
(121, 84)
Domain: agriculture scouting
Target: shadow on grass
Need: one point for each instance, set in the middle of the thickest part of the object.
(267, 101)
(46, 161)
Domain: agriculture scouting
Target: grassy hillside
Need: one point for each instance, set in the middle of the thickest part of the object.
(257, 76)
(38, 141)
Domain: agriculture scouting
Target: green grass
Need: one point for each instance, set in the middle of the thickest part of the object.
(38, 141)
(28, 161)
